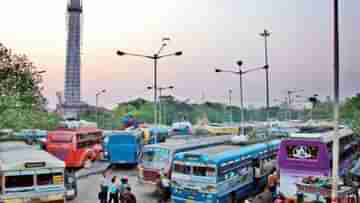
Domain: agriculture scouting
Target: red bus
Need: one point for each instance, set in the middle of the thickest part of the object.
(77, 147)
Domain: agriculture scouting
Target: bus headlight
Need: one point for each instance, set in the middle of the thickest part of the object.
(211, 188)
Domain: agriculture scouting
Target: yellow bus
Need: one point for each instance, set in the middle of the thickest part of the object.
(30, 175)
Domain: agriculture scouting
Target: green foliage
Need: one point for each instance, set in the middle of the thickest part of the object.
(174, 110)
(21, 102)
(350, 113)
(355, 124)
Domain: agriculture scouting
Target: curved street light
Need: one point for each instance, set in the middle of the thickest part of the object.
(155, 58)
(240, 73)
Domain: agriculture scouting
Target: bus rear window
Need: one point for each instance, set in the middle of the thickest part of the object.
(302, 152)
(61, 139)
(19, 181)
(50, 179)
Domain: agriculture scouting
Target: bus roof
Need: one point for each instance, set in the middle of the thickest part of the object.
(225, 152)
(177, 144)
(15, 155)
(77, 130)
(326, 136)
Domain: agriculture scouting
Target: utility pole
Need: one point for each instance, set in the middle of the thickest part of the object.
(335, 150)
(231, 114)
(266, 34)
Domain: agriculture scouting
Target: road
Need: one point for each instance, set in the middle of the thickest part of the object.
(88, 187)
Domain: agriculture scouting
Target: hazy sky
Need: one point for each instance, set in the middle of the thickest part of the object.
(211, 33)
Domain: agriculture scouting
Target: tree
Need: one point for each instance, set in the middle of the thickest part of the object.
(21, 103)
(350, 113)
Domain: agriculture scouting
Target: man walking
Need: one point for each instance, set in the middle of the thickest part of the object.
(104, 186)
(127, 196)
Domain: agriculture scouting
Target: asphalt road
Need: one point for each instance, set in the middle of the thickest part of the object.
(88, 187)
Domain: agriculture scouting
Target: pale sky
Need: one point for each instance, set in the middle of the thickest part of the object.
(211, 33)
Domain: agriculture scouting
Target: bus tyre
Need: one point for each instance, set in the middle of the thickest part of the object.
(87, 163)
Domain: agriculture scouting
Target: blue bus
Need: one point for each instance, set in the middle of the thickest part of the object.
(222, 173)
(123, 147)
(33, 136)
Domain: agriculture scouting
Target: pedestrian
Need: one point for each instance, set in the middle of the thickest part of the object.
(127, 196)
(257, 174)
(104, 186)
(166, 185)
(114, 190)
(280, 198)
(264, 197)
(272, 183)
(124, 182)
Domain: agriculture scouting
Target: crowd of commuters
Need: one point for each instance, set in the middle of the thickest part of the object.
(115, 190)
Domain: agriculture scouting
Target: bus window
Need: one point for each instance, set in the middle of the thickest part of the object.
(19, 181)
(203, 171)
(61, 139)
(157, 155)
(180, 168)
(50, 179)
(88, 140)
(199, 171)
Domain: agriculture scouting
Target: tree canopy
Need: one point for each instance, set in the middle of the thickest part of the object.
(22, 104)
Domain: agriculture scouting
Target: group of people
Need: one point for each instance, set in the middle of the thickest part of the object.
(115, 190)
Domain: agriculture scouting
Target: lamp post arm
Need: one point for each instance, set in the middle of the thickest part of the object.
(139, 55)
(230, 71)
(252, 70)
(161, 48)
(166, 55)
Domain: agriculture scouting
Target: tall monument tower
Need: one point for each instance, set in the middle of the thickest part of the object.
(73, 104)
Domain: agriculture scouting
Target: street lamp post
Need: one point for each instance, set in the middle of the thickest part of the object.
(335, 149)
(240, 73)
(97, 104)
(155, 58)
(266, 34)
(231, 114)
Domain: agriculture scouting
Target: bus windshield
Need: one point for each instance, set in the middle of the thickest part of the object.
(207, 171)
(156, 155)
(19, 181)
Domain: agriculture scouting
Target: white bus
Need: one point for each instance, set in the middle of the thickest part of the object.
(30, 175)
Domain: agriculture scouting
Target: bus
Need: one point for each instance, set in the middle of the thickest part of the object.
(123, 147)
(159, 157)
(78, 147)
(30, 175)
(32, 136)
(181, 128)
(306, 157)
(222, 129)
(222, 173)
